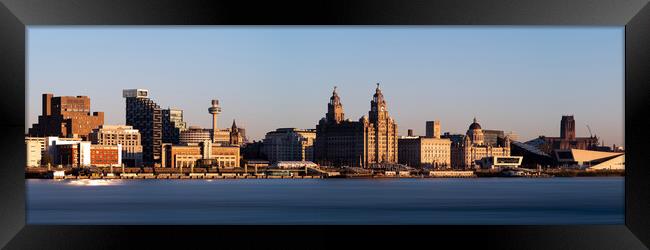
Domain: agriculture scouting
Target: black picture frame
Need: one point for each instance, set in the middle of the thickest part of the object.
(16, 14)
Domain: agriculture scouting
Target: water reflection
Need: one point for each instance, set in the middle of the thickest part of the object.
(91, 182)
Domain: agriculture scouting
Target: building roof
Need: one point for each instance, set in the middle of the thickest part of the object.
(474, 125)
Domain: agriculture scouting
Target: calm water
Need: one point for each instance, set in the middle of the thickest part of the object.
(328, 201)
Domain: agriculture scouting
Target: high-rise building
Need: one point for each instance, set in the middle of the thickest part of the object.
(371, 140)
(129, 138)
(66, 116)
(146, 116)
(172, 124)
(289, 144)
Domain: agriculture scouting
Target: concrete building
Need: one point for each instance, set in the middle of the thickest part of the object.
(425, 151)
(289, 144)
(363, 143)
(474, 148)
(146, 116)
(66, 116)
(36, 150)
(129, 138)
(204, 154)
(195, 134)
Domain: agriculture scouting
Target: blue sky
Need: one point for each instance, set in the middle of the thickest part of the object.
(520, 79)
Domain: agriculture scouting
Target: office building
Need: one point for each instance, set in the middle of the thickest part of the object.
(66, 116)
(146, 116)
(129, 138)
(172, 124)
(371, 140)
(289, 144)
(429, 151)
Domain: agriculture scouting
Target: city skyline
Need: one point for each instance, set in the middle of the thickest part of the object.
(261, 99)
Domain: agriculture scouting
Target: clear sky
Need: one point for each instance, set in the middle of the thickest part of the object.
(520, 79)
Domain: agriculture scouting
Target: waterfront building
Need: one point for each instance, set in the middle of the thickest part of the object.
(289, 144)
(496, 162)
(146, 116)
(34, 153)
(84, 154)
(204, 154)
(567, 139)
(66, 116)
(253, 151)
(172, 124)
(474, 148)
(126, 136)
(106, 155)
(590, 159)
(425, 151)
(533, 157)
(363, 143)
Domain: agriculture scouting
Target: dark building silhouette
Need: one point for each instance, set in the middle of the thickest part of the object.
(146, 116)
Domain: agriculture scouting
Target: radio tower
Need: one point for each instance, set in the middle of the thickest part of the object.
(215, 110)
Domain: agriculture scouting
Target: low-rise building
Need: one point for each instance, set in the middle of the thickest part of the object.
(492, 162)
(204, 154)
(425, 151)
(590, 160)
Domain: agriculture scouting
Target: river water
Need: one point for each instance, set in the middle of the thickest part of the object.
(520, 201)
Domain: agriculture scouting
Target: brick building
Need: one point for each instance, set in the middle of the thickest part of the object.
(66, 116)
